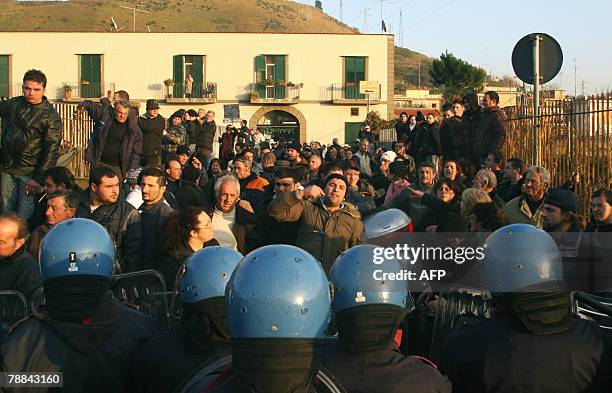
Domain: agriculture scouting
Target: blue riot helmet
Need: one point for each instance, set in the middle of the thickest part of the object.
(278, 291)
(77, 247)
(521, 258)
(362, 276)
(206, 273)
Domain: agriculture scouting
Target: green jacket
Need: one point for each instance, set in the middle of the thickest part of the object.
(322, 233)
(517, 212)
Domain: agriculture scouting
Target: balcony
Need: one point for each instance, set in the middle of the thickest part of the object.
(75, 91)
(261, 93)
(201, 92)
(348, 94)
(8, 90)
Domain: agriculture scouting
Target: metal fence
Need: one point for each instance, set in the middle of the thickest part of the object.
(574, 136)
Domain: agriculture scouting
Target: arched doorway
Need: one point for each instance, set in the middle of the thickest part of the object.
(279, 125)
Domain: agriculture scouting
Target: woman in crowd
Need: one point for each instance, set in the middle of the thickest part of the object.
(452, 171)
(398, 175)
(470, 197)
(601, 211)
(185, 232)
(440, 206)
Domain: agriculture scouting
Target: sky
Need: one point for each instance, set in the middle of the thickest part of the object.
(485, 32)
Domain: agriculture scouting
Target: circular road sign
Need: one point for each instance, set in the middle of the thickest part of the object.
(551, 58)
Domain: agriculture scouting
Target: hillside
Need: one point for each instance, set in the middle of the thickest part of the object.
(169, 16)
(191, 16)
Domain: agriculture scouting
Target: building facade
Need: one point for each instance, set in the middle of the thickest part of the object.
(292, 86)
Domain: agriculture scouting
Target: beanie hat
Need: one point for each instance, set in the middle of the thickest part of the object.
(335, 176)
(563, 199)
(389, 156)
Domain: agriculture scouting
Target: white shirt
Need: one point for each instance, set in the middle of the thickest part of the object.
(222, 228)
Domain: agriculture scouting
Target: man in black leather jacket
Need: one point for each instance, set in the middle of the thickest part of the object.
(31, 136)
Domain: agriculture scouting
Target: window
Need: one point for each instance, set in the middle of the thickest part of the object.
(90, 84)
(354, 72)
(354, 111)
(5, 87)
(184, 66)
(434, 106)
(270, 76)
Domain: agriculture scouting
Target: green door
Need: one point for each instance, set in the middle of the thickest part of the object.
(198, 76)
(354, 72)
(177, 76)
(91, 76)
(351, 132)
(4, 77)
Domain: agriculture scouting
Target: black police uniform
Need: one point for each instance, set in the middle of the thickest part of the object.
(383, 370)
(167, 360)
(501, 355)
(94, 355)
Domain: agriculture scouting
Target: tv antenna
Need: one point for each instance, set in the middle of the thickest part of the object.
(114, 26)
(134, 11)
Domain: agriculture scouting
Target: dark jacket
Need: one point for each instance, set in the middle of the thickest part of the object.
(402, 131)
(414, 208)
(452, 141)
(193, 129)
(188, 194)
(166, 360)
(429, 141)
(122, 221)
(252, 190)
(152, 218)
(93, 356)
(273, 231)
(152, 129)
(491, 133)
(36, 237)
(508, 191)
(207, 135)
(322, 233)
(471, 120)
(19, 272)
(436, 211)
(383, 370)
(131, 146)
(501, 355)
(594, 226)
(30, 137)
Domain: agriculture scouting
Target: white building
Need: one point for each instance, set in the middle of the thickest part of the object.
(301, 86)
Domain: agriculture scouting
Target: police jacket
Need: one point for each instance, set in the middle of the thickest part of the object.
(491, 133)
(122, 221)
(94, 355)
(152, 129)
(322, 233)
(30, 137)
(383, 370)
(500, 355)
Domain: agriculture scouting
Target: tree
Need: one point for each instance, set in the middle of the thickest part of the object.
(319, 4)
(456, 76)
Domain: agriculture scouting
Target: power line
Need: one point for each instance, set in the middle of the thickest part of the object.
(430, 15)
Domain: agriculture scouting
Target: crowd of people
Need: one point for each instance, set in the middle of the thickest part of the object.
(158, 198)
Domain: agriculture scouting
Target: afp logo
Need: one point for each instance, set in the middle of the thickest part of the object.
(72, 260)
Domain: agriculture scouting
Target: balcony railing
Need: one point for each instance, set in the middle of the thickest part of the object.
(8, 90)
(84, 89)
(348, 93)
(200, 92)
(262, 93)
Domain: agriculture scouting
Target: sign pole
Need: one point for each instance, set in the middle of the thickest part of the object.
(536, 96)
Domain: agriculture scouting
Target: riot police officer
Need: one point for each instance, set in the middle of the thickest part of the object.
(81, 331)
(533, 343)
(368, 307)
(202, 333)
(278, 303)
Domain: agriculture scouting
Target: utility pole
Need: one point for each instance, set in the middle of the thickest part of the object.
(419, 57)
(575, 79)
(366, 13)
(401, 30)
(341, 3)
(381, 16)
(134, 11)
(582, 85)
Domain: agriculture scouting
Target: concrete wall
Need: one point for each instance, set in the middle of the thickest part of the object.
(140, 62)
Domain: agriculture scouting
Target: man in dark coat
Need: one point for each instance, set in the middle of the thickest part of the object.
(452, 140)
(491, 133)
(121, 220)
(471, 120)
(402, 128)
(18, 269)
(206, 136)
(118, 144)
(29, 143)
(152, 125)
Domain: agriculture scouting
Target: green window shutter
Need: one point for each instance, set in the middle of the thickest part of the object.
(198, 76)
(260, 75)
(279, 75)
(349, 69)
(90, 74)
(177, 75)
(360, 69)
(4, 76)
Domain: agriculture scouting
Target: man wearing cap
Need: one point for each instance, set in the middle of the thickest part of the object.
(579, 252)
(380, 181)
(328, 225)
(175, 136)
(294, 150)
(190, 122)
(182, 155)
(152, 125)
